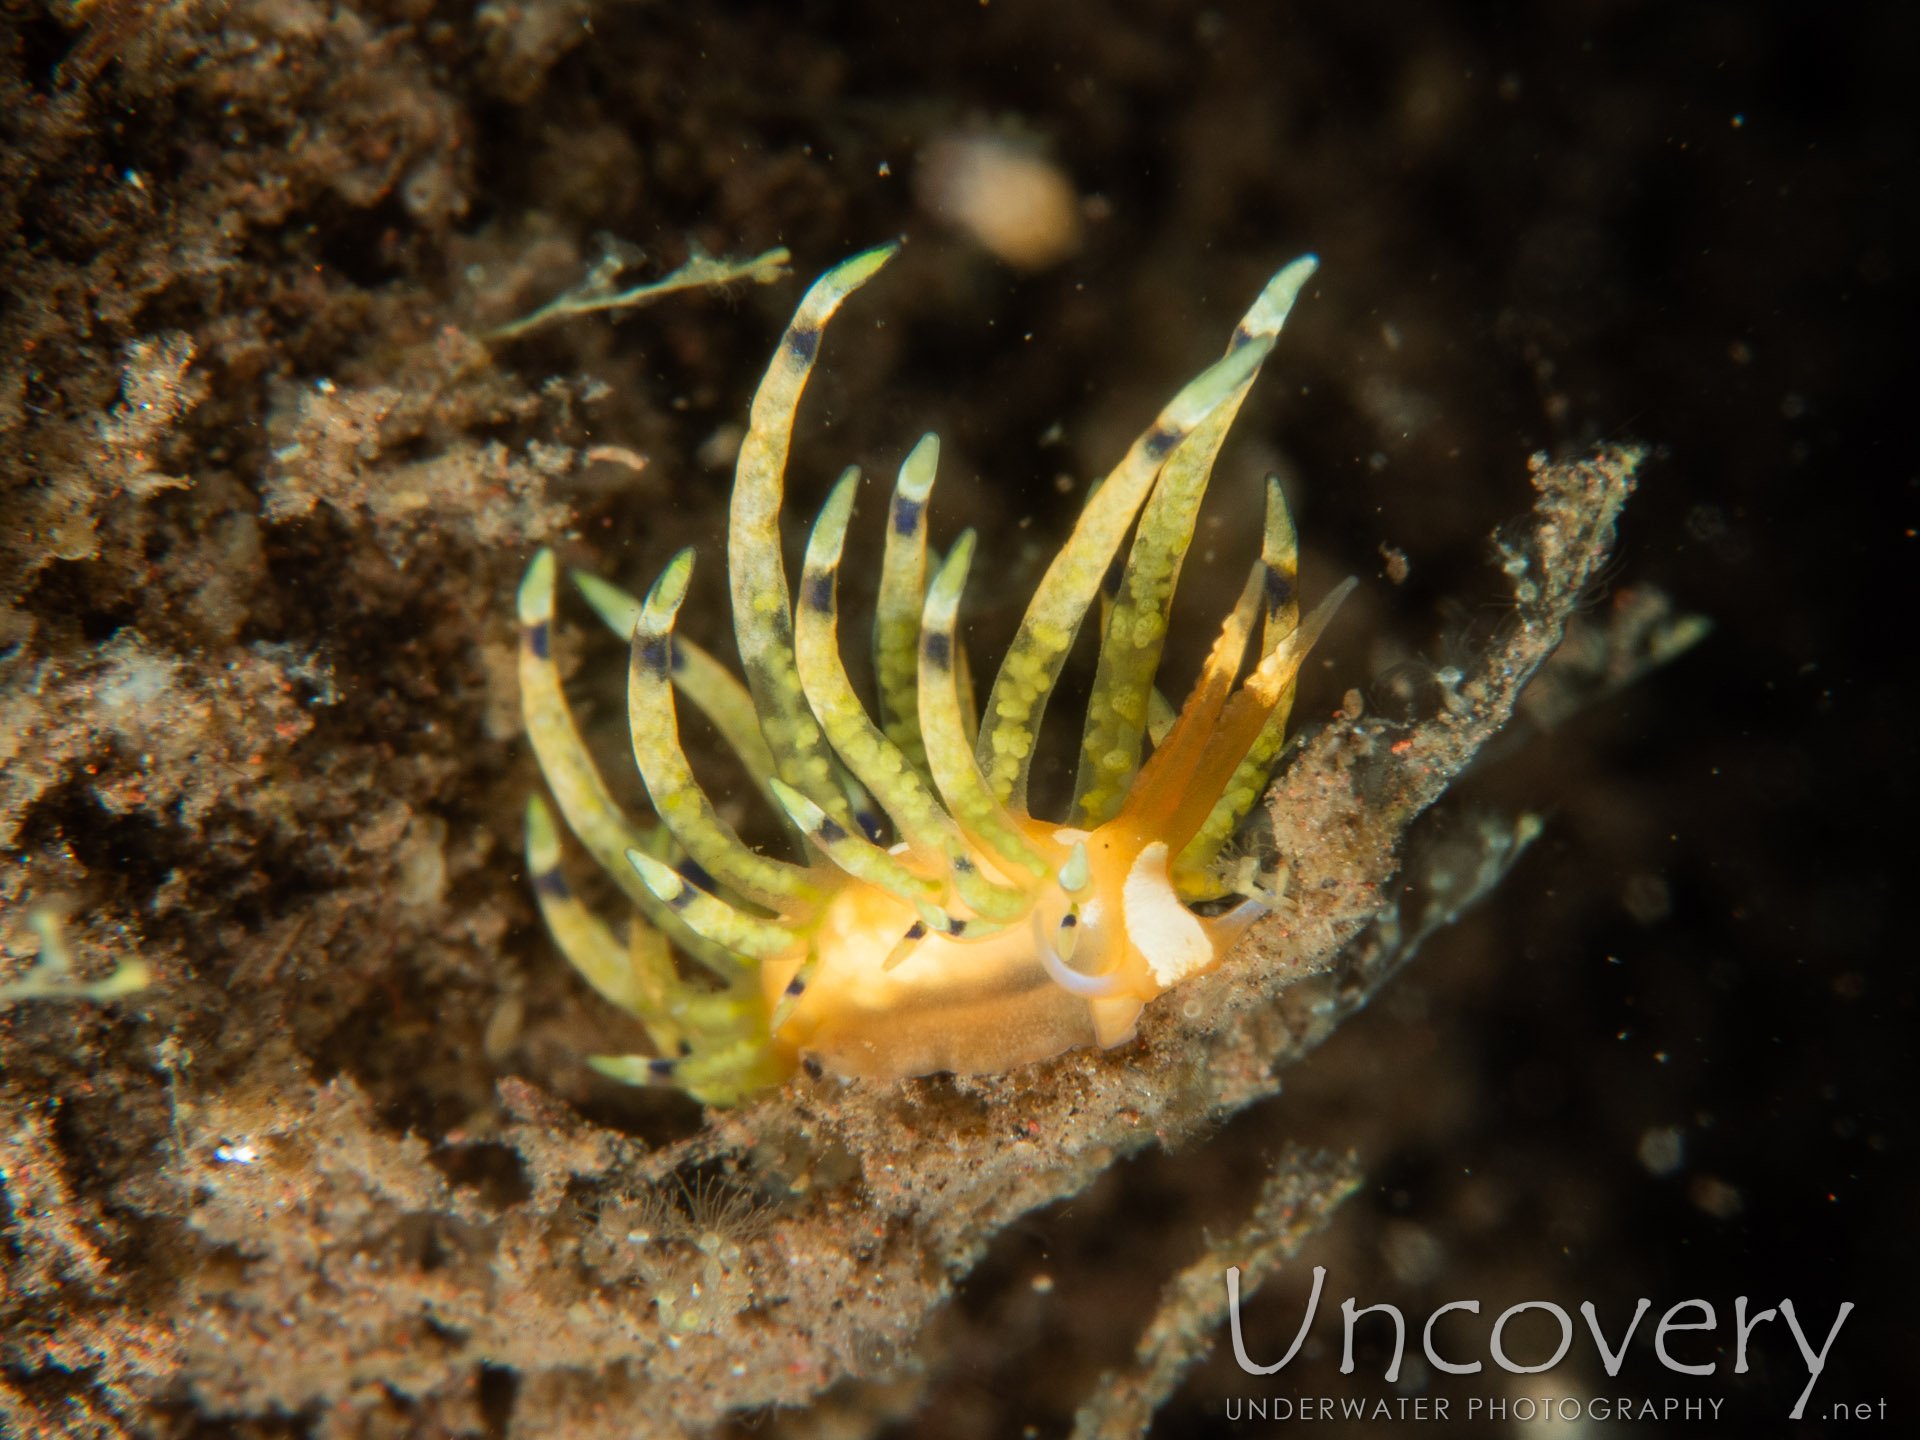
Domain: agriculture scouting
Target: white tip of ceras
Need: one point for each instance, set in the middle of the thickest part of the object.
(535, 599)
(665, 883)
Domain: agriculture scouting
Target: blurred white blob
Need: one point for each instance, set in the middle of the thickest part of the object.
(1013, 200)
(1663, 1149)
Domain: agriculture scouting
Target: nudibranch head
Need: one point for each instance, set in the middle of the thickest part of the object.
(931, 923)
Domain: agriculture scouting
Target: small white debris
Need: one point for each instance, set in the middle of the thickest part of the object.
(1009, 197)
(615, 455)
(718, 450)
(1663, 1149)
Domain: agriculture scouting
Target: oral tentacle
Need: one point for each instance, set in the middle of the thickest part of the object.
(1087, 987)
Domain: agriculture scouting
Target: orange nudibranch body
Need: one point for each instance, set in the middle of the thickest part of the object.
(880, 1007)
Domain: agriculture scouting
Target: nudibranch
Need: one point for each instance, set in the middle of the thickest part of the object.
(932, 923)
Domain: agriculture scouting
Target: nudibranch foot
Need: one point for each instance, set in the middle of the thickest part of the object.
(927, 920)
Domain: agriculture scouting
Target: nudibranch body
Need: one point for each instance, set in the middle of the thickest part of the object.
(933, 923)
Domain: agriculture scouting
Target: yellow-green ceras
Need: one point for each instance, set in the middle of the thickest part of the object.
(933, 924)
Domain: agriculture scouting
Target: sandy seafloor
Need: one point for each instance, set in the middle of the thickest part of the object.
(264, 497)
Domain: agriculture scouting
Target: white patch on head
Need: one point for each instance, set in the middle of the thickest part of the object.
(1069, 837)
(1160, 927)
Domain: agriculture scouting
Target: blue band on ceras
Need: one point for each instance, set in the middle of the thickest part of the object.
(688, 868)
(790, 997)
(653, 654)
(871, 825)
(1279, 589)
(819, 592)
